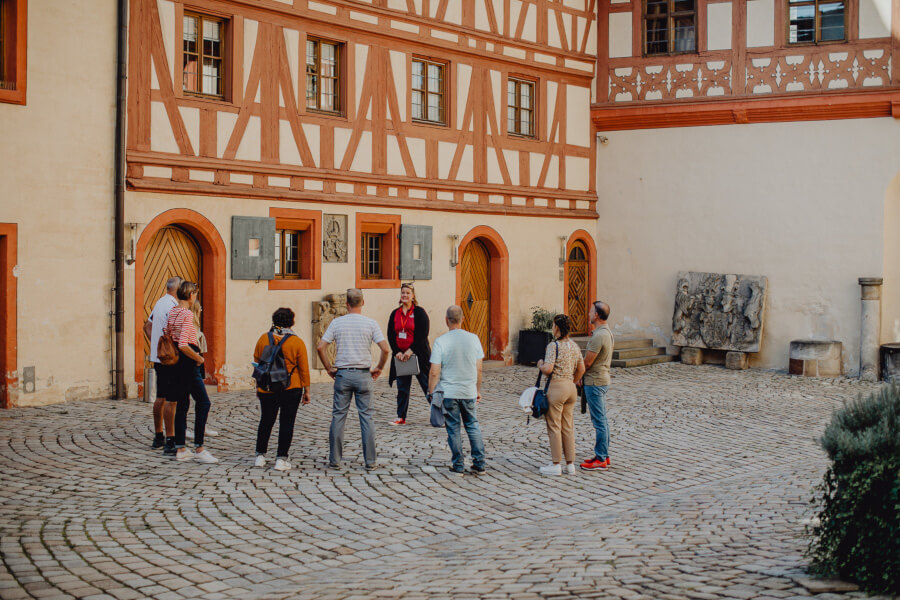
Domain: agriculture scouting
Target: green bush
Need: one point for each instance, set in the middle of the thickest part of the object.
(541, 319)
(857, 536)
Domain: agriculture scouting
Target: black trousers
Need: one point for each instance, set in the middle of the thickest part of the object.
(270, 404)
(404, 387)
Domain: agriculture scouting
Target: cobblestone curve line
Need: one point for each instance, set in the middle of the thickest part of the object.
(86, 509)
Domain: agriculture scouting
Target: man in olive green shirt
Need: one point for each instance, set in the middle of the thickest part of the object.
(596, 383)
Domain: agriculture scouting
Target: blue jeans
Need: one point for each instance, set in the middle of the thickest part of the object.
(456, 410)
(404, 385)
(347, 383)
(596, 401)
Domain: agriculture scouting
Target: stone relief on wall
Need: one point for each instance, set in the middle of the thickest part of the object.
(720, 312)
(324, 312)
(335, 239)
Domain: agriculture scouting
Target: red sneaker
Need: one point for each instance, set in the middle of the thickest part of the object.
(399, 422)
(592, 464)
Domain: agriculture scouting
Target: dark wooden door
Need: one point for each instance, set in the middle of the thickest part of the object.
(577, 266)
(476, 292)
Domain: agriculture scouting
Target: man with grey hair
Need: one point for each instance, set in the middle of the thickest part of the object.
(456, 367)
(153, 329)
(353, 374)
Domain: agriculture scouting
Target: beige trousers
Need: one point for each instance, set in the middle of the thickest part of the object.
(561, 397)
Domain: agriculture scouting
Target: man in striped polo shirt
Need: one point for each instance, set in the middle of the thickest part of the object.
(353, 374)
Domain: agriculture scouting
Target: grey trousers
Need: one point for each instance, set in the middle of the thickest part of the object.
(346, 384)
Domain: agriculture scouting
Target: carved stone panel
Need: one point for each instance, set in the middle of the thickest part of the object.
(718, 311)
(335, 239)
(324, 312)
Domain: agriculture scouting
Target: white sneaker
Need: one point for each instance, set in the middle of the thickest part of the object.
(551, 469)
(211, 432)
(206, 457)
(570, 469)
(260, 461)
(184, 454)
(282, 465)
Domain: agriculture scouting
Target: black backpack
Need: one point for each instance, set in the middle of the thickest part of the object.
(271, 373)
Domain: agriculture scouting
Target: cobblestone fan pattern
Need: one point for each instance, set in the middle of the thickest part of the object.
(707, 497)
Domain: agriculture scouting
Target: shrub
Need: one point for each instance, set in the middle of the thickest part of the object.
(858, 532)
(541, 319)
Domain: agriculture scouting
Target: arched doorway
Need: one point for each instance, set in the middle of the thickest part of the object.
(577, 288)
(482, 250)
(580, 279)
(172, 252)
(476, 292)
(181, 225)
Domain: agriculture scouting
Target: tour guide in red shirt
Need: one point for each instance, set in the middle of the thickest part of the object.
(407, 333)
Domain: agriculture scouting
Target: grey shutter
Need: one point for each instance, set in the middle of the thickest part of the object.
(247, 263)
(411, 267)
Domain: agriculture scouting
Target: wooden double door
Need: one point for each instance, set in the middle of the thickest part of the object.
(476, 292)
(172, 252)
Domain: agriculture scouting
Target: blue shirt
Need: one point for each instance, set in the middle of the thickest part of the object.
(458, 353)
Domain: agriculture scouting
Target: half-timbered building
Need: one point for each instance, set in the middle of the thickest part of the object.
(756, 137)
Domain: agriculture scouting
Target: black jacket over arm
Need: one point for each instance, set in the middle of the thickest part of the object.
(419, 346)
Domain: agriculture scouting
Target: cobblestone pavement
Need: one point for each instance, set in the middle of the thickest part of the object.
(712, 473)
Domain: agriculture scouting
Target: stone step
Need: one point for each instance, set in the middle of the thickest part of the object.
(642, 361)
(627, 343)
(638, 352)
(492, 364)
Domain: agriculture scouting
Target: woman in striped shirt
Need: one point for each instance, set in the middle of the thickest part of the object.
(180, 327)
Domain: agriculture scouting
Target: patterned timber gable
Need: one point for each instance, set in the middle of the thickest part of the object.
(262, 142)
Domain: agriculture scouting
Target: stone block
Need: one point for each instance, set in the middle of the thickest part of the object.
(692, 356)
(816, 358)
(737, 361)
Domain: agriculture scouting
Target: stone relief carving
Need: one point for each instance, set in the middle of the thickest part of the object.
(335, 239)
(324, 312)
(719, 311)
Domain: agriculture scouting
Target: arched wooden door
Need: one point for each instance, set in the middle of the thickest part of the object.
(476, 292)
(577, 265)
(171, 252)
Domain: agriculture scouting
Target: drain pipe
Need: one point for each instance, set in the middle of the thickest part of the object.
(121, 77)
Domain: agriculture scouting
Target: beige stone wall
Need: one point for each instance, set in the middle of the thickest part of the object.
(56, 171)
(534, 252)
(801, 203)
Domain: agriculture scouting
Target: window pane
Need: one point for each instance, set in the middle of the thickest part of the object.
(327, 101)
(657, 36)
(511, 119)
(190, 34)
(212, 38)
(211, 68)
(832, 20)
(434, 78)
(657, 7)
(683, 36)
(418, 105)
(684, 5)
(312, 91)
(434, 107)
(418, 71)
(525, 122)
(278, 253)
(190, 79)
(329, 60)
(803, 24)
(312, 56)
(525, 96)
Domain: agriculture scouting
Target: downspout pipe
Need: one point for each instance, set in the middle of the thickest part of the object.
(121, 79)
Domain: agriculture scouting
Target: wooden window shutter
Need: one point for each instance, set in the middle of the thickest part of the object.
(415, 252)
(252, 248)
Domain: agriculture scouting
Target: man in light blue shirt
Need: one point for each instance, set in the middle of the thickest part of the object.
(456, 366)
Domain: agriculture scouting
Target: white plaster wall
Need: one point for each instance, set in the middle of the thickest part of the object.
(56, 172)
(760, 23)
(874, 18)
(755, 199)
(619, 34)
(534, 252)
(718, 26)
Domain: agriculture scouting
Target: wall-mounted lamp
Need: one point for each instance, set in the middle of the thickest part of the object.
(602, 139)
(562, 250)
(454, 250)
(129, 258)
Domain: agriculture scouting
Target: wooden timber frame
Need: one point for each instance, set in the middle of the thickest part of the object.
(374, 153)
(740, 70)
